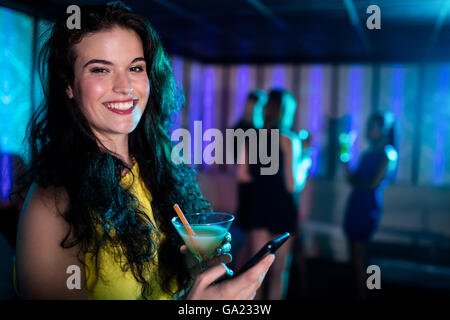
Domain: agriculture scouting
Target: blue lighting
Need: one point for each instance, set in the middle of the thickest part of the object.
(398, 88)
(345, 157)
(16, 48)
(303, 134)
(391, 153)
(441, 125)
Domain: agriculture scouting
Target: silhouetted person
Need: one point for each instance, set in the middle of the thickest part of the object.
(255, 101)
(275, 197)
(365, 204)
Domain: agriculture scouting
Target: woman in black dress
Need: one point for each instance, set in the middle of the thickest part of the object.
(275, 197)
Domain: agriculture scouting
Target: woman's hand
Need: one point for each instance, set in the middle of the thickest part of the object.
(242, 287)
(222, 256)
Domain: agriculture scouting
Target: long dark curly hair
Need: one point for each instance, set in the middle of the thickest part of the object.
(65, 153)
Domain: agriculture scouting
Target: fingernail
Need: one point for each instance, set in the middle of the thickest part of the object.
(230, 272)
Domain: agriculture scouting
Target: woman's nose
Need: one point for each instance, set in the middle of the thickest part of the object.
(122, 84)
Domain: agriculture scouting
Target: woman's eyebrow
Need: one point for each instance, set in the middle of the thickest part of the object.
(138, 59)
(109, 62)
(97, 61)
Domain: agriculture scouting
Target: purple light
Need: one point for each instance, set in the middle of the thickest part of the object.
(278, 76)
(5, 176)
(178, 74)
(195, 102)
(242, 90)
(315, 115)
(354, 108)
(208, 100)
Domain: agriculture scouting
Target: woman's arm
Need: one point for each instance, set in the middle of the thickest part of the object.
(296, 166)
(42, 264)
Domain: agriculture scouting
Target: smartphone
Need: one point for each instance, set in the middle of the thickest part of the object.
(270, 247)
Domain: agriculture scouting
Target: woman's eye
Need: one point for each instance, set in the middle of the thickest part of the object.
(98, 70)
(137, 69)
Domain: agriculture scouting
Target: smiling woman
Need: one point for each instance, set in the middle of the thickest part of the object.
(103, 183)
(112, 91)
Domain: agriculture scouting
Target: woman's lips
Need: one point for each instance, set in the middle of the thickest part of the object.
(121, 111)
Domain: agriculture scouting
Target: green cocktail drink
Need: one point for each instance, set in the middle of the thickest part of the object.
(210, 230)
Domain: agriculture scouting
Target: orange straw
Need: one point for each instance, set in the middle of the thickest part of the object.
(191, 232)
(183, 220)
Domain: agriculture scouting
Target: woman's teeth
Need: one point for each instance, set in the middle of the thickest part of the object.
(121, 105)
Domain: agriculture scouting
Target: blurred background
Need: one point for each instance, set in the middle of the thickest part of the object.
(339, 72)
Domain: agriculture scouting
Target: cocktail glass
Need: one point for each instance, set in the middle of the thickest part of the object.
(210, 229)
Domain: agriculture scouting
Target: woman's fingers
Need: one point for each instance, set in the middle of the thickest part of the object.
(227, 238)
(224, 258)
(184, 249)
(256, 274)
(223, 249)
(255, 277)
(244, 286)
(206, 278)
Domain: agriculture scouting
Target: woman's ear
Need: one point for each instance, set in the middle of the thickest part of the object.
(69, 92)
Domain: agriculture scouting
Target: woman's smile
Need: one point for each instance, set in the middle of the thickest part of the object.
(121, 106)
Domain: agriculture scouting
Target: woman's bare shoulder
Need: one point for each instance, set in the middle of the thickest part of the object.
(42, 215)
(52, 198)
(42, 228)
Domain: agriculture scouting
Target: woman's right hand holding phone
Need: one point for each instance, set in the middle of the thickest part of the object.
(242, 287)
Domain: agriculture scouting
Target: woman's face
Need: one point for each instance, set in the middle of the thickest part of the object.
(111, 86)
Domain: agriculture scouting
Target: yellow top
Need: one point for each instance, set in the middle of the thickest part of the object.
(113, 283)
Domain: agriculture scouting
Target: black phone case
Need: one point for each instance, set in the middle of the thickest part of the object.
(271, 247)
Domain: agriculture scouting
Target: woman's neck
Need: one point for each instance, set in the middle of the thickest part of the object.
(117, 145)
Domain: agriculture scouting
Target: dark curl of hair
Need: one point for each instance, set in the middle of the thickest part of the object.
(65, 153)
